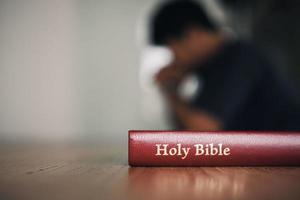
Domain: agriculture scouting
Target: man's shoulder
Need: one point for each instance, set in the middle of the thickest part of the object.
(246, 53)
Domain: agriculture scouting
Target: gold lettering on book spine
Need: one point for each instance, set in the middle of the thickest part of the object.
(200, 150)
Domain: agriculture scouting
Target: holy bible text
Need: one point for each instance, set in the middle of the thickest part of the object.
(200, 150)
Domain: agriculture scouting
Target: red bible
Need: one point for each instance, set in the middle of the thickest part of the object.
(192, 148)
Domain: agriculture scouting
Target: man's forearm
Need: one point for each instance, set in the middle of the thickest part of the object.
(192, 119)
(168, 79)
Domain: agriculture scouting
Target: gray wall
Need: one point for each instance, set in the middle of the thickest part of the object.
(68, 68)
(38, 98)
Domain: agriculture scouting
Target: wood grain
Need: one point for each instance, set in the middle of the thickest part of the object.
(100, 171)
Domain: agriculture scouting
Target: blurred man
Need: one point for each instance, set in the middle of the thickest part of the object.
(241, 90)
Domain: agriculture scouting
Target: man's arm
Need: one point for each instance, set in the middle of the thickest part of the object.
(193, 119)
(168, 80)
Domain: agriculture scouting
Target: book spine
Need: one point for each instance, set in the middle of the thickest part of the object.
(189, 148)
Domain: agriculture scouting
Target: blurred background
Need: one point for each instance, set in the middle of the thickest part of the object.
(82, 69)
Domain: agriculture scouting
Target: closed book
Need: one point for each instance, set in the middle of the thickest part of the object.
(194, 148)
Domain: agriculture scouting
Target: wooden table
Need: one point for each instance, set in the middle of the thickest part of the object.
(100, 171)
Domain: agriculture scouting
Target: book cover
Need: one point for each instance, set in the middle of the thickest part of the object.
(194, 148)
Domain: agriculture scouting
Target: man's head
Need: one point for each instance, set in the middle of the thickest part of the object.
(183, 26)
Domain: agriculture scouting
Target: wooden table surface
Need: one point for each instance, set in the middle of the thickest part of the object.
(100, 171)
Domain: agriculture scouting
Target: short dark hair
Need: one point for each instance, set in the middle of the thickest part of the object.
(173, 18)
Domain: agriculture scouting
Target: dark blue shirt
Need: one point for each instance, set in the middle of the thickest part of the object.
(243, 90)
